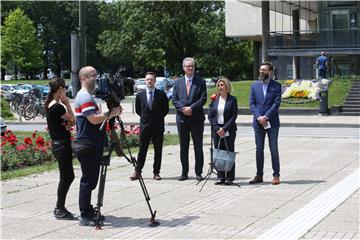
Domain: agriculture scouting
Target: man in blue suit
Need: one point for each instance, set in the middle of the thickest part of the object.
(189, 97)
(265, 99)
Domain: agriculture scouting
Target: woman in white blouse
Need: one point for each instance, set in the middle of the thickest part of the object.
(222, 116)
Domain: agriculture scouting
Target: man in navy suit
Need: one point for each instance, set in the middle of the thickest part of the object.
(189, 97)
(152, 106)
(265, 99)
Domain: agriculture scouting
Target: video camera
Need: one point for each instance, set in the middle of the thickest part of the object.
(110, 88)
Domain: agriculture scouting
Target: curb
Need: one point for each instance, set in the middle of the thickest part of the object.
(325, 125)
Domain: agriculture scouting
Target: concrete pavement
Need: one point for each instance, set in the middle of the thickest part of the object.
(310, 169)
(130, 117)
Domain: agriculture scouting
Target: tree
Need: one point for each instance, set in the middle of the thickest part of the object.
(20, 46)
(145, 35)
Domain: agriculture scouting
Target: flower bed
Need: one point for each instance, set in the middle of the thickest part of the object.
(304, 89)
(34, 150)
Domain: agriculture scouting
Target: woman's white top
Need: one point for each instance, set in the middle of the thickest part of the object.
(220, 110)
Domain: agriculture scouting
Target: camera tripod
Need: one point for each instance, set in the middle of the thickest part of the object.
(106, 161)
(212, 169)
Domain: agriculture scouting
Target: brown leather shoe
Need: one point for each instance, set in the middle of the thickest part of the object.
(135, 176)
(276, 180)
(257, 179)
(157, 177)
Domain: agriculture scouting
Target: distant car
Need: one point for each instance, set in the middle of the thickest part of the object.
(9, 77)
(69, 91)
(3, 126)
(20, 89)
(140, 85)
(45, 89)
(6, 91)
(209, 82)
(8, 87)
(169, 93)
(26, 86)
(164, 84)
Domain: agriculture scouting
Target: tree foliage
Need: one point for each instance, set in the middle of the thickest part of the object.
(20, 45)
(142, 35)
(138, 35)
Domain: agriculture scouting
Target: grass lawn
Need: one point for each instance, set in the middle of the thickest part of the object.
(169, 139)
(40, 82)
(337, 94)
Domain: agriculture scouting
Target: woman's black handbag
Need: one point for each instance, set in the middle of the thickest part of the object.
(82, 146)
(224, 160)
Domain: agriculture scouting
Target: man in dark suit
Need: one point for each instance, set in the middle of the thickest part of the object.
(152, 106)
(265, 99)
(189, 97)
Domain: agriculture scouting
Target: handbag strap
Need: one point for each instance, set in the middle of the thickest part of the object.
(227, 149)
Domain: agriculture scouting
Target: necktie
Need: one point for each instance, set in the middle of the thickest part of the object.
(150, 99)
(188, 87)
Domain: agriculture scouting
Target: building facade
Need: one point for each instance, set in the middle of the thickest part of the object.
(296, 32)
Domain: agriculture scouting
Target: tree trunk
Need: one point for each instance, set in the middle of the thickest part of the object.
(45, 72)
(16, 72)
(3, 72)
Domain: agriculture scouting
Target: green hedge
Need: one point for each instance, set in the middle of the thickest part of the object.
(5, 109)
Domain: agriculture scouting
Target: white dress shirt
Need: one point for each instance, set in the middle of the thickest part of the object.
(220, 110)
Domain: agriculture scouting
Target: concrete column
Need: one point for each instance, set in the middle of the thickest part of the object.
(296, 33)
(265, 20)
(75, 63)
(256, 53)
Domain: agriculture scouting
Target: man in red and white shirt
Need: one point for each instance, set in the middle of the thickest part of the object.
(88, 121)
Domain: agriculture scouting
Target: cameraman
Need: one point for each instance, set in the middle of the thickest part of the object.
(88, 121)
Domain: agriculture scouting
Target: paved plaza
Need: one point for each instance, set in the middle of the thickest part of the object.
(318, 197)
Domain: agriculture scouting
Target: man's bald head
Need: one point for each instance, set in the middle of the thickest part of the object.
(87, 76)
(86, 72)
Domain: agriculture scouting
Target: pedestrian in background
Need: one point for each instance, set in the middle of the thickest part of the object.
(322, 64)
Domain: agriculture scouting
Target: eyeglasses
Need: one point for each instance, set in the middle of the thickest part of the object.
(189, 66)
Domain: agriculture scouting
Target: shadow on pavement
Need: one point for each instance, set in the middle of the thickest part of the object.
(118, 222)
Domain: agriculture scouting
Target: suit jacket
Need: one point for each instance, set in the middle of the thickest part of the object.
(230, 114)
(153, 118)
(195, 100)
(265, 106)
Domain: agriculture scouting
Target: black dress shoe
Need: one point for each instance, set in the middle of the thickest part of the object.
(199, 177)
(183, 177)
(220, 182)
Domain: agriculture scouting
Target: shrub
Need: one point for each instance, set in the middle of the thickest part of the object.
(5, 109)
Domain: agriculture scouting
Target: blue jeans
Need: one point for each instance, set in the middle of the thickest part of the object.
(322, 73)
(273, 143)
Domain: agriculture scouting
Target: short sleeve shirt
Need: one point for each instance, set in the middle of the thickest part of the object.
(58, 127)
(322, 62)
(85, 105)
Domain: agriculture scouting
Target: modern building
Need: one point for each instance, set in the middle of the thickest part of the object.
(291, 34)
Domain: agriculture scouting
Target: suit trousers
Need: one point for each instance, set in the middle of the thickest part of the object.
(157, 138)
(230, 141)
(197, 133)
(273, 144)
